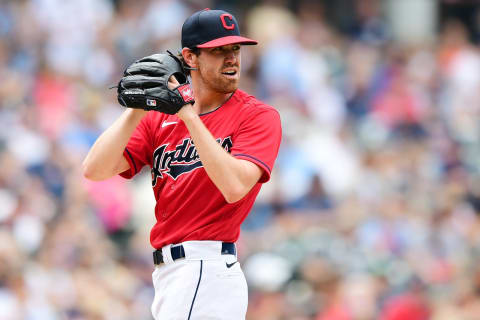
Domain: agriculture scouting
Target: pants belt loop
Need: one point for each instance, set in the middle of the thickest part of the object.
(167, 254)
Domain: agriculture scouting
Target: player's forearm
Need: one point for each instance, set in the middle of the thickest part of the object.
(105, 158)
(233, 177)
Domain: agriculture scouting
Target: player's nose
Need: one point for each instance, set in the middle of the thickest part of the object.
(230, 56)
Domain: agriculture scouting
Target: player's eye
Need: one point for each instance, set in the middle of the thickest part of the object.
(236, 48)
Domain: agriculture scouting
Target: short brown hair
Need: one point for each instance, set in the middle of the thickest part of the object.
(186, 67)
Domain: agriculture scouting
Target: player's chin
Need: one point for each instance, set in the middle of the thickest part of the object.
(230, 89)
(227, 86)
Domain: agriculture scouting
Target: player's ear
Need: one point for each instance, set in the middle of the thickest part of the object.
(190, 58)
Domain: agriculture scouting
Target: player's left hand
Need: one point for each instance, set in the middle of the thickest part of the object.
(157, 82)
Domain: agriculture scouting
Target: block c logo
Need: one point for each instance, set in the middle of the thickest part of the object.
(224, 22)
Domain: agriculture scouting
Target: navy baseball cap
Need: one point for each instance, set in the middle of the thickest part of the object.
(212, 28)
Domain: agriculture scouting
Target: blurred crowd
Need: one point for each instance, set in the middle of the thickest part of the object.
(373, 208)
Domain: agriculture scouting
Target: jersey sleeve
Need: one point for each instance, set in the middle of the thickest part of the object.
(258, 140)
(138, 149)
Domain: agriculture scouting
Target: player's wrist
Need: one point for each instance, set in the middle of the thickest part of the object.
(136, 113)
(186, 112)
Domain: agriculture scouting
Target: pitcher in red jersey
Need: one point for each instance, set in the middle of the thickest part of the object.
(208, 163)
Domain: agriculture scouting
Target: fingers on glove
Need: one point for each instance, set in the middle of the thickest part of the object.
(166, 60)
(142, 82)
(153, 69)
(157, 57)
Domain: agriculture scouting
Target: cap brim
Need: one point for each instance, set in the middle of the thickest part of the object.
(226, 41)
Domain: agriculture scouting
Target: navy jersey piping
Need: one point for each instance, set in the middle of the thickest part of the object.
(248, 156)
(224, 102)
(131, 158)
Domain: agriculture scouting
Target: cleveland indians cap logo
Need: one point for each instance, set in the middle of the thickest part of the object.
(224, 22)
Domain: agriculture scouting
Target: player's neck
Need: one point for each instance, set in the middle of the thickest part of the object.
(207, 100)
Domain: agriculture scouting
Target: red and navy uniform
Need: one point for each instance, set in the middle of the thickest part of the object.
(189, 206)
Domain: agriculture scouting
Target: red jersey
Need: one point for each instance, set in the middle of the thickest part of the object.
(188, 204)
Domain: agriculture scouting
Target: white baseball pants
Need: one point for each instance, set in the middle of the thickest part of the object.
(205, 285)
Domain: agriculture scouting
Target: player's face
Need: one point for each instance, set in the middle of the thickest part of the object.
(219, 67)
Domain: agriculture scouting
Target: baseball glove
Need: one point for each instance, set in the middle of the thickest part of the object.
(144, 84)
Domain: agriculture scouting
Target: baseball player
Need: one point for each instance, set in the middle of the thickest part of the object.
(210, 146)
